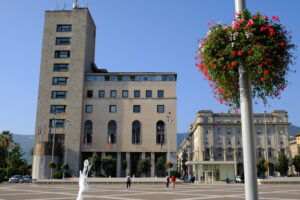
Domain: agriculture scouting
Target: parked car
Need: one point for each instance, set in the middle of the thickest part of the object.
(27, 179)
(16, 179)
(238, 179)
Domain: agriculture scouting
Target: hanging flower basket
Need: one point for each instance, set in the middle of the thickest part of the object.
(261, 44)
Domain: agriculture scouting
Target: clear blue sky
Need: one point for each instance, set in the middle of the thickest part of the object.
(132, 36)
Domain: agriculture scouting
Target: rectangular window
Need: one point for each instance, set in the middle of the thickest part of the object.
(58, 108)
(62, 54)
(219, 131)
(136, 108)
(112, 108)
(64, 28)
(59, 81)
(136, 93)
(113, 93)
(258, 132)
(238, 131)
(125, 93)
(63, 41)
(205, 119)
(113, 78)
(228, 131)
(88, 108)
(229, 141)
(259, 141)
(238, 141)
(59, 123)
(61, 67)
(160, 93)
(59, 94)
(101, 94)
(148, 93)
(269, 141)
(89, 94)
(160, 108)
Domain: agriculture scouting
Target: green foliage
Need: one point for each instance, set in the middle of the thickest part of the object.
(183, 161)
(174, 173)
(144, 166)
(261, 169)
(51, 165)
(95, 162)
(160, 165)
(65, 166)
(169, 165)
(263, 46)
(282, 164)
(108, 165)
(58, 174)
(296, 163)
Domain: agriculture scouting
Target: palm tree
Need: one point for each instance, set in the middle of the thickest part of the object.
(6, 139)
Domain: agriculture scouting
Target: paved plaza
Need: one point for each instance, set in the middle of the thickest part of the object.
(145, 192)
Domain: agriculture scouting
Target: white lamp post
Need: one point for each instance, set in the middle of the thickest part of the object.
(169, 121)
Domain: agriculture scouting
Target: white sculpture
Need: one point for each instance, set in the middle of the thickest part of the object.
(83, 186)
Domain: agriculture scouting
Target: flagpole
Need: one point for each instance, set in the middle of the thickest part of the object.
(249, 149)
(53, 141)
(168, 136)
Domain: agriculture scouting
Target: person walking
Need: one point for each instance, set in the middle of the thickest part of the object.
(128, 181)
(167, 181)
(173, 180)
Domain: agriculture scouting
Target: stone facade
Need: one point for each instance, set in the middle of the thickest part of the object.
(218, 137)
(69, 101)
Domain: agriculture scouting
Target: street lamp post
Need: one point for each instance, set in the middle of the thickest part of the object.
(169, 121)
(267, 149)
(53, 141)
(68, 124)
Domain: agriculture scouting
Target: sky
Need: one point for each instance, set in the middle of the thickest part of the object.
(132, 36)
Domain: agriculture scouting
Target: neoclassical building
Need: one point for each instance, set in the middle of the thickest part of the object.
(214, 145)
(83, 110)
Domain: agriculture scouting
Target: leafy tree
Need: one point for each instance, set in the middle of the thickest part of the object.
(108, 165)
(282, 164)
(296, 163)
(144, 166)
(51, 165)
(6, 139)
(261, 168)
(183, 161)
(160, 165)
(95, 162)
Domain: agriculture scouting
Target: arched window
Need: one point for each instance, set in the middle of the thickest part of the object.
(112, 131)
(88, 132)
(160, 132)
(136, 132)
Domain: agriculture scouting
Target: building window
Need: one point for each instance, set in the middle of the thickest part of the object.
(112, 132)
(148, 93)
(238, 141)
(125, 93)
(269, 141)
(113, 78)
(59, 138)
(59, 81)
(88, 108)
(269, 131)
(113, 93)
(229, 131)
(136, 132)
(62, 54)
(112, 108)
(63, 41)
(258, 132)
(89, 93)
(240, 153)
(136, 93)
(64, 28)
(58, 108)
(219, 140)
(205, 119)
(101, 93)
(160, 93)
(206, 131)
(160, 132)
(259, 141)
(229, 141)
(219, 131)
(136, 108)
(61, 67)
(58, 123)
(206, 140)
(59, 94)
(88, 132)
(160, 108)
(238, 131)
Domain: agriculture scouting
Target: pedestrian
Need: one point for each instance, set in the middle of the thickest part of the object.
(167, 181)
(128, 181)
(173, 180)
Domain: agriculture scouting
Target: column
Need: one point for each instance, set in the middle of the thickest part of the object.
(143, 155)
(102, 155)
(152, 164)
(235, 161)
(225, 157)
(128, 171)
(118, 164)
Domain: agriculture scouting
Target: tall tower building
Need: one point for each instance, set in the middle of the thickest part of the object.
(86, 110)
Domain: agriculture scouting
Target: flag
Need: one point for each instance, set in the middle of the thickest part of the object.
(38, 131)
(41, 127)
(44, 130)
(85, 141)
(109, 140)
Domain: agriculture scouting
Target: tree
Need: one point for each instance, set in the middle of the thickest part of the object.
(6, 139)
(144, 166)
(124, 166)
(108, 165)
(261, 168)
(95, 162)
(296, 163)
(282, 164)
(160, 166)
(183, 161)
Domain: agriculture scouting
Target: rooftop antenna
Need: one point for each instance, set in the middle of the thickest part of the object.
(64, 6)
(56, 5)
(87, 4)
(75, 4)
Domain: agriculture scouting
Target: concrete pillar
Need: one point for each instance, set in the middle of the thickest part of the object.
(143, 155)
(225, 157)
(102, 155)
(235, 161)
(152, 164)
(206, 176)
(128, 169)
(118, 164)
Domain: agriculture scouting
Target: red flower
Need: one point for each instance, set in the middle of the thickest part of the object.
(233, 53)
(249, 52)
(260, 58)
(263, 79)
(214, 37)
(266, 71)
(224, 67)
(282, 43)
(240, 53)
(233, 63)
